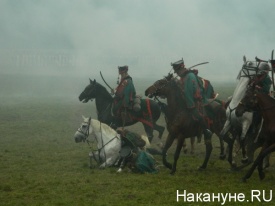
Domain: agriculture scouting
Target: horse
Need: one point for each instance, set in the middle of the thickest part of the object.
(179, 123)
(163, 107)
(239, 126)
(148, 116)
(256, 101)
(109, 148)
(108, 141)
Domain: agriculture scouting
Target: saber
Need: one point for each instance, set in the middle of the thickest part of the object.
(198, 64)
(260, 60)
(105, 82)
(272, 70)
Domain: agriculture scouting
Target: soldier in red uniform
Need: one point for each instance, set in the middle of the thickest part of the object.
(124, 93)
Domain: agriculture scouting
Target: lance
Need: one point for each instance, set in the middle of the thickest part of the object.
(106, 82)
(198, 64)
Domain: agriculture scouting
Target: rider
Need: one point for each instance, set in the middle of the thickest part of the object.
(263, 85)
(265, 81)
(194, 94)
(125, 94)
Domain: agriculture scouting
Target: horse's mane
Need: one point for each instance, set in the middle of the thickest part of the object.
(104, 89)
(98, 126)
(267, 97)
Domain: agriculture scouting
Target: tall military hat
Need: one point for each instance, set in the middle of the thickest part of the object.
(122, 69)
(178, 64)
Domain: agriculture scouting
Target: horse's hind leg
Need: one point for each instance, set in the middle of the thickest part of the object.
(222, 153)
(184, 145)
(158, 128)
(149, 132)
(192, 141)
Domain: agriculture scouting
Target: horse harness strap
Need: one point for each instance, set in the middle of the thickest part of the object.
(100, 149)
(86, 133)
(230, 111)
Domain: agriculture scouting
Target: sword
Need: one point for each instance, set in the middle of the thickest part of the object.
(198, 64)
(106, 82)
(272, 68)
(260, 60)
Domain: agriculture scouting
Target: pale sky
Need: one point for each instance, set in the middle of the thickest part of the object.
(83, 37)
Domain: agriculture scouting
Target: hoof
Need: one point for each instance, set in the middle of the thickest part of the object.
(172, 173)
(243, 180)
(201, 168)
(262, 175)
(119, 170)
(185, 151)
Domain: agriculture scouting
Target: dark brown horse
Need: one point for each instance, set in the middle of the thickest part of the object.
(179, 124)
(256, 101)
(149, 114)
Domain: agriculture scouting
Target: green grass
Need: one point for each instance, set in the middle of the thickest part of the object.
(40, 164)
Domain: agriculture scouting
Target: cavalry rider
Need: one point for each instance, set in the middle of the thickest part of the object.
(264, 82)
(263, 85)
(193, 93)
(124, 94)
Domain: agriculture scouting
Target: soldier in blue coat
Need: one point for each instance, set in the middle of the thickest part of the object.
(124, 93)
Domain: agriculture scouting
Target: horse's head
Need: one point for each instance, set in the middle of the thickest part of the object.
(248, 103)
(89, 92)
(82, 132)
(159, 88)
(253, 69)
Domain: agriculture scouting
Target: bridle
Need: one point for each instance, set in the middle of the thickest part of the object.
(254, 101)
(158, 88)
(246, 69)
(90, 91)
(86, 134)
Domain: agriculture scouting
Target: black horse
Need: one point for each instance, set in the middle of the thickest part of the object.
(149, 114)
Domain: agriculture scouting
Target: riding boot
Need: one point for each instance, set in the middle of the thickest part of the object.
(206, 132)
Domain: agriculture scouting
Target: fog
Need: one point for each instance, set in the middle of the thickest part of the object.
(71, 41)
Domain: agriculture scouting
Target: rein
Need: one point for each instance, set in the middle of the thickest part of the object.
(87, 133)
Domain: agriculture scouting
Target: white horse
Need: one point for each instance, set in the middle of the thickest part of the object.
(241, 124)
(108, 141)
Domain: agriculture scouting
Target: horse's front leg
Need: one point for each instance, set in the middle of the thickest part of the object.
(264, 156)
(222, 152)
(225, 129)
(229, 138)
(208, 148)
(256, 163)
(93, 157)
(177, 154)
(167, 145)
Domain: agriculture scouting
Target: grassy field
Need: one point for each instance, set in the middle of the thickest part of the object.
(40, 164)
